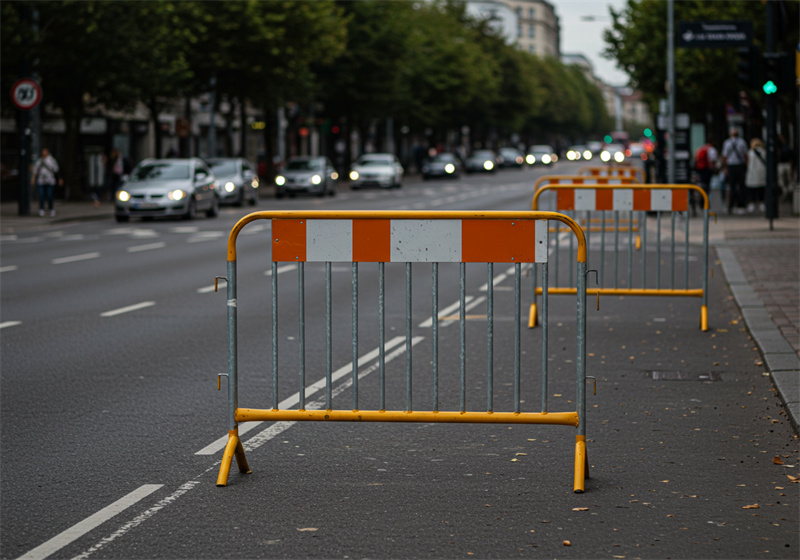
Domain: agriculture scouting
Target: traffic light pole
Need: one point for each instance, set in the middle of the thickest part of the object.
(771, 102)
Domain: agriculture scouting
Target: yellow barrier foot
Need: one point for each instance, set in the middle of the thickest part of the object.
(704, 318)
(532, 316)
(232, 449)
(581, 464)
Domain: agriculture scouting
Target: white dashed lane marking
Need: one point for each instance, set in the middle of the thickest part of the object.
(128, 309)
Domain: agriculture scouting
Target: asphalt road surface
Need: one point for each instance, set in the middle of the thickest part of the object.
(112, 428)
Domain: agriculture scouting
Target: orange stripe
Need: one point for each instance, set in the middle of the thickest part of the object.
(288, 240)
(372, 240)
(565, 199)
(498, 241)
(641, 199)
(604, 199)
(680, 200)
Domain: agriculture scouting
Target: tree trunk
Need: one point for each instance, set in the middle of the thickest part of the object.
(155, 110)
(269, 143)
(243, 126)
(69, 162)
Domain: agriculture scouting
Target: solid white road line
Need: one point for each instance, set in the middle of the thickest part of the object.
(10, 324)
(76, 258)
(282, 269)
(292, 400)
(148, 247)
(76, 531)
(8, 268)
(122, 310)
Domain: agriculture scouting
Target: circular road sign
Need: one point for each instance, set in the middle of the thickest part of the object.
(26, 93)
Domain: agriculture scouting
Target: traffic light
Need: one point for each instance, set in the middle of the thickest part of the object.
(748, 66)
(648, 133)
(778, 75)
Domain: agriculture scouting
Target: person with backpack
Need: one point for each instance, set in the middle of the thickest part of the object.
(734, 163)
(705, 164)
(756, 177)
(45, 176)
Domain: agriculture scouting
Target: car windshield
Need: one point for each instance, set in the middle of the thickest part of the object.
(159, 171)
(445, 158)
(543, 149)
(483, 154)
(224, 168)
(303, 164)
(374, 161)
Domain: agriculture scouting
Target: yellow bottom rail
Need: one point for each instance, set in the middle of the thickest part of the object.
(441, 416)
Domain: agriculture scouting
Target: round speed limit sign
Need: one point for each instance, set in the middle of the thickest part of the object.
(26, 93)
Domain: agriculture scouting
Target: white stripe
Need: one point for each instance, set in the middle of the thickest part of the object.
(282, 269)
(8, 268)
(147, 247)
(623, 199)
(139, 519)
(428, 323)
(74, 258)
(426, 240)
(122, 310)
(10, 324)
(585, 199)
(329, 241)
(292, 400)
(661, 199)
(76, 531)
(468, 307)
(211, 287)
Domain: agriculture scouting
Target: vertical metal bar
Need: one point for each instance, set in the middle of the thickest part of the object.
(408, 337)
(301, 312)
(382, 334)
(328, 336)
(435, 324)
(705, 257)
(233, 352)
(643, 229)
(490, 337)
(558, 243)
(463, 334)
(517, 344)
(672, 253)
(581, 343)
(533, 283)
(630, 250)
(274, 335)
(602, 247)
(686, 255)
(544, 336)
(355, 335)
(574, 216)
(658, 251)
(616, 248)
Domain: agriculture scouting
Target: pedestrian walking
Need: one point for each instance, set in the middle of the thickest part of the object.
(756, 176)
(705, 164)
(734, 163)
(45, 177)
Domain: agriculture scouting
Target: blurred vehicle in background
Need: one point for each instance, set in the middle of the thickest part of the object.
(578, 152)
(510, 157)
(443, 164)
(595, 147)
(637, 150)
(237, 180)
(481, 161)
(306, 174)
(377, 170)
(613, 153)
(167, 187)
(541, 154)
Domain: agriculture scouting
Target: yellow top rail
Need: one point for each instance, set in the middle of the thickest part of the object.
(674, 197)
(613, 171)
(406, 215)
(583, 180)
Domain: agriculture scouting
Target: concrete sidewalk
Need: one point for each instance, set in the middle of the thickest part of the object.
(761, 266)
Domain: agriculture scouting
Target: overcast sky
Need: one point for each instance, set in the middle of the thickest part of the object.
(586, 37)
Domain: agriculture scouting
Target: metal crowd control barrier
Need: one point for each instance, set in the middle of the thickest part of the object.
(613, 171)
(627, 199)
(407, 237)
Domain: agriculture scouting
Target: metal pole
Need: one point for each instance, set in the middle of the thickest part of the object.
(771, 102)
(671, 89)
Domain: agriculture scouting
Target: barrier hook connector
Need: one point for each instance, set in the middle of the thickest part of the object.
(217, 279)
(218, 381)
(594, 380)
(597, 283)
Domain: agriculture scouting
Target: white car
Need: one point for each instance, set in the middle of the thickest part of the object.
(377, 170)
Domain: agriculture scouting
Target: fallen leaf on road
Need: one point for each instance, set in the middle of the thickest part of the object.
(753, 506)
(776, 460)
(567, 543)
(303, 529)
(665, 481)
(794, 479)
(580, 509)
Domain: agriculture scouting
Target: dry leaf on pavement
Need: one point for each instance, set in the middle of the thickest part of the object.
(752, 506)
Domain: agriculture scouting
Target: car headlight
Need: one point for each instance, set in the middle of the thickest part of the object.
(531, 159)
(571, 155)
(587, 155)
(449, 168)
(619, 157)
(488, 165)
(254, 183)
(280, 180)
(334, 176)
(546, 159)
(230, 186)
(177, 194)
(123, 196)
(316, 179)
(354, 175)
(605, 155)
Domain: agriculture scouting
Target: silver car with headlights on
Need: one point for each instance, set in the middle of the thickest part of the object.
(377, 170)
(306, 174)
(237, 181)
(167, 187)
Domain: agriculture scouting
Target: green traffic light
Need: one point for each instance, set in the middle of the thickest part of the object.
(608, 139)
(648, 133)
(770, 87)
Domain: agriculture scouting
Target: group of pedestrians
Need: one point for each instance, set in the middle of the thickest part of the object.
(743, 170)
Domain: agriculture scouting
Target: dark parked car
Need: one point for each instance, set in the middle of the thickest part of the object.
(306, 174)
(444, 164)
(237, 180)
(482, 161)
(510, 157)
(167, 187)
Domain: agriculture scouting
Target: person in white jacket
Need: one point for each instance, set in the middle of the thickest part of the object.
(45, 173)
(755, 178)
